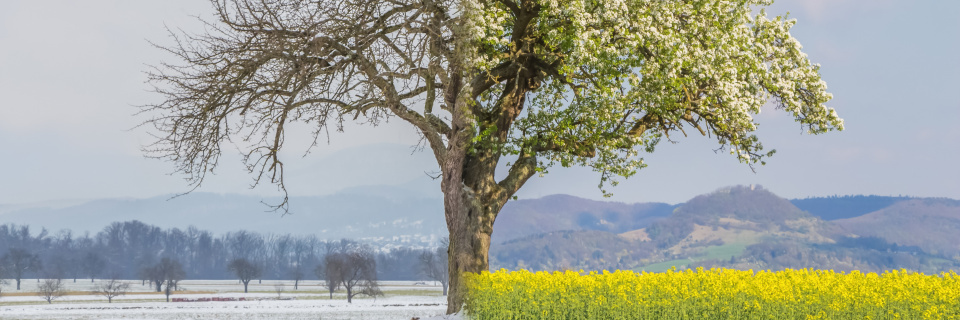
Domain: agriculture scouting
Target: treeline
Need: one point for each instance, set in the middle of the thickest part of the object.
(123, 250)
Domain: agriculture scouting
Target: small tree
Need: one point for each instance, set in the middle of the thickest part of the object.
(279, 287)
(3, 281)
(329, 279)
(92, 265)
(355, 269)
(51, 289)
(172, 272)
(245, 270)
(112, 288)
(152, 275)
(297, 275)
(18, 262)
(434, 265)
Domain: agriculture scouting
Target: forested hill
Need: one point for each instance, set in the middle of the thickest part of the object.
(748, 227)
(843, 207)
(564, 212)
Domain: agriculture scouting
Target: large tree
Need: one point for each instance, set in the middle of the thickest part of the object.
(516, 85)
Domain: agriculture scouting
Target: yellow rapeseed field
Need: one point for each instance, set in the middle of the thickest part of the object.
(713, 294)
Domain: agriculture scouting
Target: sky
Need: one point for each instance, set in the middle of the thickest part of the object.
(72, 76)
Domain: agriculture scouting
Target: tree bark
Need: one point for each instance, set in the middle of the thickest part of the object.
(470, 232)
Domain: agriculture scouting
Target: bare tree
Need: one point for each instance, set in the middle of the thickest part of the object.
(434, 264)
(245, 270)
(92, 265)
(328, 272)
(18, 262)
(279, 288)
(356, 270)
(111, 288)
(297, 274)
(172, 272)
(3, 280)
(51, 289)
(152, 275)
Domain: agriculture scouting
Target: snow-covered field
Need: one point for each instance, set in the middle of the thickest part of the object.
(403, 300)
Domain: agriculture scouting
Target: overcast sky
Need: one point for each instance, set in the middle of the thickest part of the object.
(71, 74)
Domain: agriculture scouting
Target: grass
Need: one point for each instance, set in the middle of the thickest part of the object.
(722, 252)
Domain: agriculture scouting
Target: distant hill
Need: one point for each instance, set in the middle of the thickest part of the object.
(343, 215)
(931, 224)
(747, 227)
(738, 227)
(836, 207)
(522, 218)
(740, 214)
(573, 250)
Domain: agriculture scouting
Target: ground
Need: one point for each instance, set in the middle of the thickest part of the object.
(404, 300)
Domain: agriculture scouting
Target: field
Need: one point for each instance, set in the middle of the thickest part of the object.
(721, 294)
(403, 300)
(709, 253)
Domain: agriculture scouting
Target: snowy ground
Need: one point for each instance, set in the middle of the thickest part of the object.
(403, 300)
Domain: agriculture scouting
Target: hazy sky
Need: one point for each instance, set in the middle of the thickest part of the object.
(71, 74)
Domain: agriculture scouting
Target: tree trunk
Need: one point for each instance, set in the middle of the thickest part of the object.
(18, 284)
(245, 286)
(349, 295)
(469, 246)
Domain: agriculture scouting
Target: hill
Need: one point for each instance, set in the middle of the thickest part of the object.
(843, 207)
(368, 215)
(522, 218)
(569, 250)
(741, 214)
(748, 227)
(931, 224)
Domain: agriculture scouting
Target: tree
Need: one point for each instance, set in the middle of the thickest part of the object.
(164, 275)
(297, 275)
(355, 270)
(111, 288)
(328, 272)
(3, 280)
(171, 272)
(153, 275)
(92, 265)
(245, 270)
(433, 265)
(51, 289)
(521, 85)
(18, 262)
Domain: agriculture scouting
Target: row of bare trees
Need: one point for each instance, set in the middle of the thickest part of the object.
(52, 289)
(130, 249)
